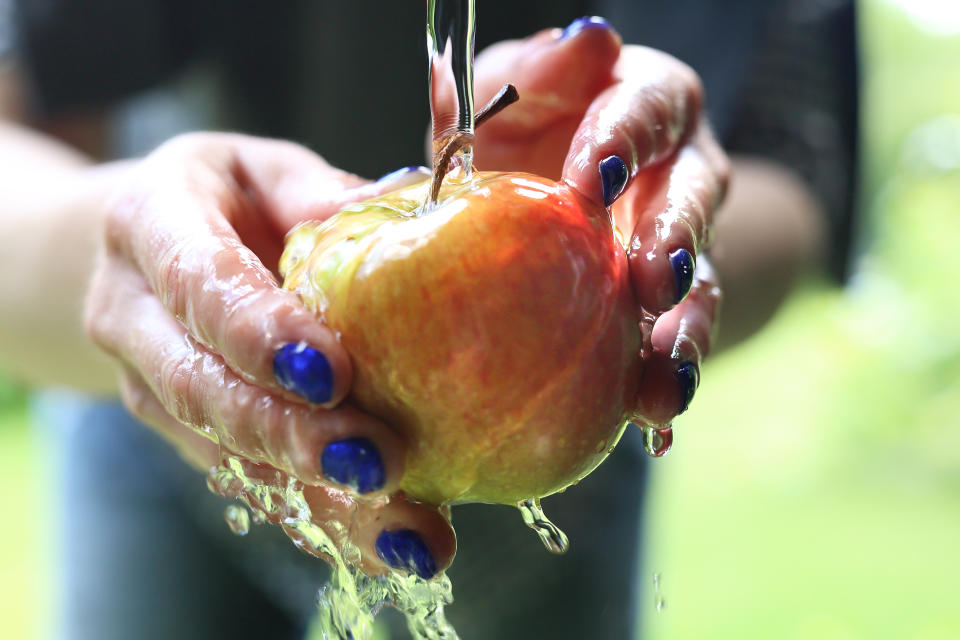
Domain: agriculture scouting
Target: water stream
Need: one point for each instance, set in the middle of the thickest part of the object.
(351, 600)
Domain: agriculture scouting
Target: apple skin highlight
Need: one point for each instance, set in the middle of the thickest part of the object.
(497, 332)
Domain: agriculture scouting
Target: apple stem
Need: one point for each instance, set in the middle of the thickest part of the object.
(441, 159)
(504, 98)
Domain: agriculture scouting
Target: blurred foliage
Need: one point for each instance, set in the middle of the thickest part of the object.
(12, 396)
(816, 493)
(24, 587)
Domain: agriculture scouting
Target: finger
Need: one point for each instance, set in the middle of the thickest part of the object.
(343, 446)
(653, 105)
(557, 74)
(195, 447)
(178, 226)
(406, 536)
(669, 209)
(393, 534)
(296, 185)
(681, 340)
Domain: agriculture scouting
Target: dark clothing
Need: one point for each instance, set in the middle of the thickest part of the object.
(349, 80)
(150, 557)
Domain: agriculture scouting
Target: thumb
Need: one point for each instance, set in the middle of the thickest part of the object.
(295, 185)
(557, 73)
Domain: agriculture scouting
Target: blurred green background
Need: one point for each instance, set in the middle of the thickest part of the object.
(814, 487)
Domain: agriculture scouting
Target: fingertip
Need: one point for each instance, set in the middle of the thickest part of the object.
(358, 453)
(683, 264)
(304, 371)
(593, 32)
(403, 177)
(687, 374)
(355, 463)
(307, 359)
(409, 537)
(662, 277)
(584, 23)
(614, 175)
(661, 395)
(405, 550)
(588, 48)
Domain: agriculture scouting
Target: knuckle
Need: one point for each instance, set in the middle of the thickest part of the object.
(170, 282)
(272, 421)
(240, 430)
(723, 170)
(93, 317)
(136, 397)
(187, 144)
(180, 389)
(694, 92)
(123, 209)
(243, 321)
(98, 314)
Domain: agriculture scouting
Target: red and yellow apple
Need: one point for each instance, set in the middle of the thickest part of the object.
(496, 331)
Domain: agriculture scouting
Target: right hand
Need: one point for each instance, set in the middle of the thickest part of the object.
(208, 342)
(586, 99)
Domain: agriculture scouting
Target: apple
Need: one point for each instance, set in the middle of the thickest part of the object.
(496, 330)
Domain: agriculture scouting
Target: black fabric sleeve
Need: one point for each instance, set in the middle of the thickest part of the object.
(88, 53)
(799, 107)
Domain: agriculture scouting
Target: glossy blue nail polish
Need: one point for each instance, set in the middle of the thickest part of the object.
(689, 377)
(399, 173)
(586, 22)
(354, 462)
(404, 549)
(304, 371)
(613, 178)
(683, 265)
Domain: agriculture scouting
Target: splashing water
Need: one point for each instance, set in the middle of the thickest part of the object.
(553, 538)
(352, 599)
(658, 600)
(451, 25)
(238, 519)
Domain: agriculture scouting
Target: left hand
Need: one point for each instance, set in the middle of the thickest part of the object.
(623, 125)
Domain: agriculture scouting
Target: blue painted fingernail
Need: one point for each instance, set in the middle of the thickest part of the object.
(613, 177)
(586, 22)
(405, 550)
(304, 371)
(689, 377)
(354, 462)
(402, 173)
(683, 266)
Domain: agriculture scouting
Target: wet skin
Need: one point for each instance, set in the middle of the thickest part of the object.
(185, 299)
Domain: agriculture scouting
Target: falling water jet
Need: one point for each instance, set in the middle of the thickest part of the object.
(553, 538)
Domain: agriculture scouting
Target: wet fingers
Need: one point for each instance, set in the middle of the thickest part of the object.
(343, 447)
(681, 340)
(405, 536)
(652, 107)
(670, 209)
(177, 223)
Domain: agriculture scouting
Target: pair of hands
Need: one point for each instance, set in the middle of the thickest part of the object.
(186, 299)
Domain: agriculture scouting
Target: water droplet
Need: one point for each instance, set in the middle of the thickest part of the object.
(238, 519)
(223, 482)
(553, 538)
(657, 442)
(258, 517)
(658, 600)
